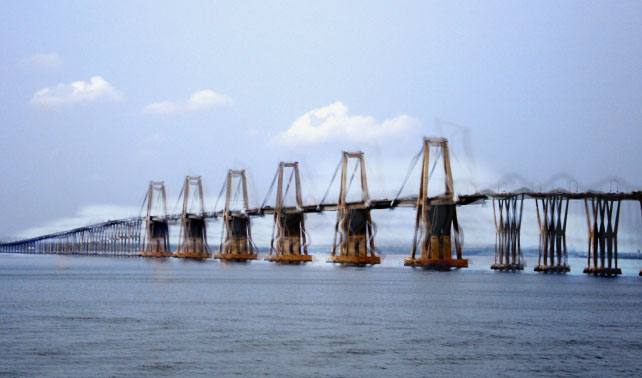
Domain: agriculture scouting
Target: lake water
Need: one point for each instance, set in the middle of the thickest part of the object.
(93, 316)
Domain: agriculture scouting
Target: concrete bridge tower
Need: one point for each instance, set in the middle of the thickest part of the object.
(289, 238)
(236, 241)
(436, 218)
(354, 228)
(193, 238)
(156, 226)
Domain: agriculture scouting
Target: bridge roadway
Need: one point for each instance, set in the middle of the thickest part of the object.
(409, 202)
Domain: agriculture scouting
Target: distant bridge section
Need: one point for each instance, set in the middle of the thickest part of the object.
(436, 221)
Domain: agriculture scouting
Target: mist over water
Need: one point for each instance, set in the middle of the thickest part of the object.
(93, 316)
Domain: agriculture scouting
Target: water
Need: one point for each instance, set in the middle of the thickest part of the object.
(92, 316)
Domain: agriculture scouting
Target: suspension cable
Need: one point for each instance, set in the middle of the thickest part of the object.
(470, 178)
(434, 164)
(220, 194)
(179, 198)
(413, 163)
(354, 172)
(271, 188)
(331, 182)
(140, 213)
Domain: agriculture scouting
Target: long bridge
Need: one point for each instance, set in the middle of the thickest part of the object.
(436, 225)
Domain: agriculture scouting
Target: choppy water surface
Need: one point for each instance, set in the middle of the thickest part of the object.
(90, 316)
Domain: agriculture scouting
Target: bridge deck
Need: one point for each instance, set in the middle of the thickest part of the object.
(410, 202)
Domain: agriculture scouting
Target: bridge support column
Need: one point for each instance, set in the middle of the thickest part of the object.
(435, 219)
(236, 241)
(354, 231)
(193, 238)
(602, 223)
(156, 242)
(508, 252)
(551, 218)
(289, 240)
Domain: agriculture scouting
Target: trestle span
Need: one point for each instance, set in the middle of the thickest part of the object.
(111, 238)
(507, 214)
(552, 213)
(602, 219)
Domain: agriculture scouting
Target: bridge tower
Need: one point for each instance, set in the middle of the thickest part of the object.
(354, 228)
(602, 222)
(289, 238)
(236, 240)
(508, 252)
(552, 213)
(193, 238)
(156, 242)
(435, 218)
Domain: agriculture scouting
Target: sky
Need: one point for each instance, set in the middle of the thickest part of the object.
(97, 98)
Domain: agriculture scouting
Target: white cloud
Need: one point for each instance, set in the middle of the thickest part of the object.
(78, 92)
(198, 101)
(333, 123)
(42, 61)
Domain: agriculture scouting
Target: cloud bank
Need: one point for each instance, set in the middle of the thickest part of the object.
(42, 61)
(334, 123)
(198, 101)
(78, 92)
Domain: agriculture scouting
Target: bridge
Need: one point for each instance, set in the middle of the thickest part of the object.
(436, 224)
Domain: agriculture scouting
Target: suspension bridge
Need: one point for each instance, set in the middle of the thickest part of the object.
(437, 243)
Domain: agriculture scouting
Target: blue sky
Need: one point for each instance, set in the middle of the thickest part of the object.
(165, 89)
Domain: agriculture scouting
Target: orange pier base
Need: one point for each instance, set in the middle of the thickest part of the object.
(238, 257)
(354, 260)
(436, 264)
(603, 271)
(289, 259)
(507, 267)
(552, 268)
(192, 255)
(155, 254)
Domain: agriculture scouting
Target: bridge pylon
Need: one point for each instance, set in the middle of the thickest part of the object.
(552, 214)
(435, 218)
(602, 218)
(236, 240)
(508, 252)
(156, 242)
(354, 228)
(193, 237)
(289, 237)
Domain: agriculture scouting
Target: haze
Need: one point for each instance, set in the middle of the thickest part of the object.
(97, 98)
